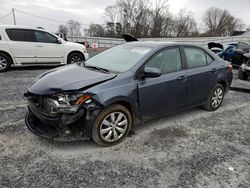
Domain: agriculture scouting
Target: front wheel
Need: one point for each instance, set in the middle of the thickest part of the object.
(112, 125)
(5, 62)
(215, 98)
(75, 58)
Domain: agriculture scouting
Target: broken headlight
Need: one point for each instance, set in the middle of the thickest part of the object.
(67, 103)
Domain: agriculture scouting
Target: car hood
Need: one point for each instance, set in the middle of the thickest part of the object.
(75, 44)
(68, 78)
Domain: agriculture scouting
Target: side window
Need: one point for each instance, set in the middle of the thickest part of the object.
(167, 61)
(24, 35)
(45, 37)
(195, 57)
(209, 59)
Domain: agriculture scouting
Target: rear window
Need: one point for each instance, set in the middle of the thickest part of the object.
(195, 57)
(23, 35)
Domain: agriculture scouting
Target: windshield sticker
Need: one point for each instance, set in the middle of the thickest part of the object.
(141, 50)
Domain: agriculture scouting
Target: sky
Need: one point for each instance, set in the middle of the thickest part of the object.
(92, 11)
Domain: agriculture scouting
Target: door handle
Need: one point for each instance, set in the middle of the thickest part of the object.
(213, 70)
(181, 78)
(39, 46)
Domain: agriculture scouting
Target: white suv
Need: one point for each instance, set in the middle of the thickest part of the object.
(32, 46)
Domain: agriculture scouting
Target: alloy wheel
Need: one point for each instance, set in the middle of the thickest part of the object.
(217, 97)
(76, 59)
(3, 63)
(114, 126)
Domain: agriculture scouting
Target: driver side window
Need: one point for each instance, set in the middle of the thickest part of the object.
(44, 37)
(166, 61)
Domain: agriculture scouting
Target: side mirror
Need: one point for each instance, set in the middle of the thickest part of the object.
(150, 72)
(59, 41)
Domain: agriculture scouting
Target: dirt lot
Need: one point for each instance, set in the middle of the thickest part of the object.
(192, 149)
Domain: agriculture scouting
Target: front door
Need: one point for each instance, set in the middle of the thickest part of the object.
(164, 94)
(48, 48)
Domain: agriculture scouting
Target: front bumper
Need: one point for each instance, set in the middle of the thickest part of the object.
(86, 55)
(53, 126)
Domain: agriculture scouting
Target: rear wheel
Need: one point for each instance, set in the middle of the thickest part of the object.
(112, 125)
(5, 62)
(75, 58)
(215, 98)
(242, 75)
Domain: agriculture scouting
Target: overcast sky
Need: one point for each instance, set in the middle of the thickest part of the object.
(91, 11)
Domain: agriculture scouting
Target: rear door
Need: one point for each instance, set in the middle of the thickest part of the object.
(48, 48)
(164, 94)
(22, 45)
(201, 75)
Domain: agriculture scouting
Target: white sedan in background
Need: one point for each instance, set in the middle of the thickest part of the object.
(32, 46)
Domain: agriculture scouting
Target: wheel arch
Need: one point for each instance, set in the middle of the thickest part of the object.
(75, 51)
(223, 83)
(6, 53)
(127, 104)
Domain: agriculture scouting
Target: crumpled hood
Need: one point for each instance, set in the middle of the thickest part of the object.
(67, 78)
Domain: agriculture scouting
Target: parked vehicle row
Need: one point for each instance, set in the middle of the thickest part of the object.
(34, 46)
(238, 54)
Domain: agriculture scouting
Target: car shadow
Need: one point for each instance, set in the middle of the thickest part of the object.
(161, 124)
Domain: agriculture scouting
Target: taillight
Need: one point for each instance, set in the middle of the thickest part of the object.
(229, 67)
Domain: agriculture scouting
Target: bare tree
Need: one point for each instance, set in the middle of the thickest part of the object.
(127, 16)
(96, 30)
(159, 15)
(184, 24)
(220, 22)
(63, 29)
(142, 17)
(111, 13)
(74, 28)
(126, 10)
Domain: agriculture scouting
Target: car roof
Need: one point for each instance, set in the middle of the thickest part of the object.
(20, 27)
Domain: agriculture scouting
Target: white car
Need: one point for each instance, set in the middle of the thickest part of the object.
(33, 46)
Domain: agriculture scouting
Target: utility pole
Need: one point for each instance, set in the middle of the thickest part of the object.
(14, 16)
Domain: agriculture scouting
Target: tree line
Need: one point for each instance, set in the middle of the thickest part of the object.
(143, 19)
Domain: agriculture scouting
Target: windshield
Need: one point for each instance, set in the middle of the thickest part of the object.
(118, 59)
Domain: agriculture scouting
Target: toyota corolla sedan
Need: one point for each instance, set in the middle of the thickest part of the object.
(106, 95)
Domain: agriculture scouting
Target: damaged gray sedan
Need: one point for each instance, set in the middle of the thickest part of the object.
(105, 96)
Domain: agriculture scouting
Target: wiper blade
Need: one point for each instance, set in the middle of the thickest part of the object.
(97, 68)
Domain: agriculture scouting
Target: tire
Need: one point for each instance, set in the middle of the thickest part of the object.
(5, 62)
(215, 98)
(242, 75)
(75, 57)
(105, 132)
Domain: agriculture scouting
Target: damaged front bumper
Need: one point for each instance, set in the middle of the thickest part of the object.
(245, 67)
(63, 126)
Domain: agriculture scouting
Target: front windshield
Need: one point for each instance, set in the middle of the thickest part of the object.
(118, 59)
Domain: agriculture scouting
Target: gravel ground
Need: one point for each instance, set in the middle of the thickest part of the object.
(195, 148)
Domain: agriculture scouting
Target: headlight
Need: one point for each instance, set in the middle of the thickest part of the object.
(67, 103)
